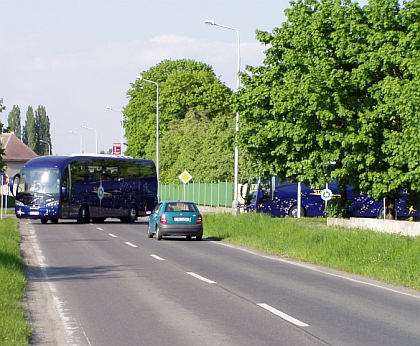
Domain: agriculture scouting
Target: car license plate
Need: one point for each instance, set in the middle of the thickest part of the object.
(182, 219)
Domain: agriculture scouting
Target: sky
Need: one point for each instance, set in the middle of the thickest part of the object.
(78, 57)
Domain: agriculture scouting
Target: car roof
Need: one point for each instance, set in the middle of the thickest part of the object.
(177, 201)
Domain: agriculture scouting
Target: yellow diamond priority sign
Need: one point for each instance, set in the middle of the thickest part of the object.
(185, 177)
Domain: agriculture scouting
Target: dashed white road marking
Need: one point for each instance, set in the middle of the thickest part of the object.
(113, 235)
(157, 257)
(99, 228)
(283, 315)
(201, 278)
(130, 244)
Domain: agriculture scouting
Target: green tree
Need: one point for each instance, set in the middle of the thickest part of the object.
(29, 136)
(14, 121)
(37, 128)
(42, 130)
(185, 87)
(200, 145)
(339, 83)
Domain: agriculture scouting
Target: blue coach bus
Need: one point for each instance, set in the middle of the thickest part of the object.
(85, 187)
(280, 198)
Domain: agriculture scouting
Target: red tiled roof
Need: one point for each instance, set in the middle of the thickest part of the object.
(15, 149)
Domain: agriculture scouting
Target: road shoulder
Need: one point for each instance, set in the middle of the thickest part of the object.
(47, 327)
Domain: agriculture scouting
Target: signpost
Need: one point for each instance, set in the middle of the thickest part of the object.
(326, 194)
(185, 177)
(116, 148)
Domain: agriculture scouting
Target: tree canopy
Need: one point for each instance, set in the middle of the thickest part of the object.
(14, 121)
(339, 84)
(37, 128)
(196, 125)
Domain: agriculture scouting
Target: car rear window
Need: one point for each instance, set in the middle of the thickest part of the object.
(180, 206)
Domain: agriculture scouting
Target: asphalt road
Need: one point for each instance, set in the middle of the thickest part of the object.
(108, 284)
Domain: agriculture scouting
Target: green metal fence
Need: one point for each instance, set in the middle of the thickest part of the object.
(218, 194)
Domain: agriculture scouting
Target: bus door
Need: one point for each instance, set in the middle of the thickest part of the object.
(65, 194)
(265, 196)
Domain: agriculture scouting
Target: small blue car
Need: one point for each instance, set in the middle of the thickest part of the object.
(178, 218)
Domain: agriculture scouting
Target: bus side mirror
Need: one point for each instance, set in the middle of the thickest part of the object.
(63, 191)
(14, 184)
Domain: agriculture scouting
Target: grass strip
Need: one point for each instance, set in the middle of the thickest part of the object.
(14, 327)
(386, 257)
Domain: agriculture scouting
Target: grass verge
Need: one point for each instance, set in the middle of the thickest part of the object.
(386, 257)
(14, 327)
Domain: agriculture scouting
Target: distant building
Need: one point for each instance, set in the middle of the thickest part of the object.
(16, 153)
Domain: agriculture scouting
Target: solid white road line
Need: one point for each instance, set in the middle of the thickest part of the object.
(129, 244)
(283, 315)
(157, 257)
(318, 269)
(201, 278)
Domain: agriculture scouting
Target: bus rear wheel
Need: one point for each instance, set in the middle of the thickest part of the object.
(44, 221)
(132, 214)
(83, 216)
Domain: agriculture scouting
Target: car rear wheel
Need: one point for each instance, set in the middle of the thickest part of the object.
(149, 234)
(158, 235)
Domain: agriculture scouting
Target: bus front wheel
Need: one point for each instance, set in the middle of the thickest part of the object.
(293, 211)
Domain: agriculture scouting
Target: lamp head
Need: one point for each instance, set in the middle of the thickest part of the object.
(108, 107)
(209, 22)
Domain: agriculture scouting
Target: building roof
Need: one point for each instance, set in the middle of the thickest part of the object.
(15, 149)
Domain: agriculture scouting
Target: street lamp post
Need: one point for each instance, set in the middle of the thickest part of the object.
(235, 202)
(96, 136)
(122, 125)
(157, 127)
(49, 145)
(81, 142)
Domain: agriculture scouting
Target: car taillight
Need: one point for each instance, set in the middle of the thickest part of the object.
(163, 219)
(199, 219)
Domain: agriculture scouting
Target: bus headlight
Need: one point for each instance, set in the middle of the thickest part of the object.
(19, 203)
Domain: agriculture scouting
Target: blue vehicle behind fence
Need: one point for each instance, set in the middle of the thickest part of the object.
(280, 198)
(85, 187)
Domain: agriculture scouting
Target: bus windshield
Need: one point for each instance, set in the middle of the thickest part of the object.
(37, 180)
